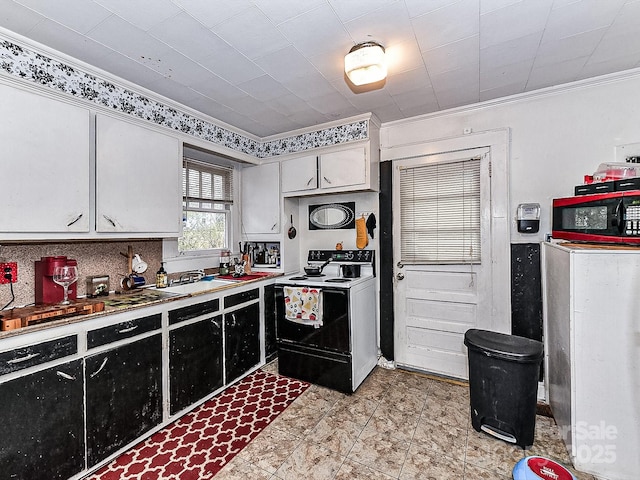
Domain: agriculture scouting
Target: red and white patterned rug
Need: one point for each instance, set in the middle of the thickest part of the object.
(199, 444)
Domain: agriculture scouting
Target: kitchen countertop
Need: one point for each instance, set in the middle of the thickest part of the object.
(117, 303)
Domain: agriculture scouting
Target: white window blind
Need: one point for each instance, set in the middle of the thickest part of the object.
(206, 187)
(207, 192)
(440, 213)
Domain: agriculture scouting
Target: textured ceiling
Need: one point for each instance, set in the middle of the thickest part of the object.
(271, 66)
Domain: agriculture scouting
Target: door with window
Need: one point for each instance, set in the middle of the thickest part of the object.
(442, 257)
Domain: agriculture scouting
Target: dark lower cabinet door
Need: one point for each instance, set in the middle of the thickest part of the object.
(195, 362)
(242, 340)
(270, 338)
(42, 426)
(124, 395)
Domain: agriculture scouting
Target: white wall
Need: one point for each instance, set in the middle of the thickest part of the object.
(366, 202)
(557, 136)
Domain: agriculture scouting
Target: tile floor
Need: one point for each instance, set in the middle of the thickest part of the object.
(398, 425)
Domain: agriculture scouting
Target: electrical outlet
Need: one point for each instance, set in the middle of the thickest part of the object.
(8, 272)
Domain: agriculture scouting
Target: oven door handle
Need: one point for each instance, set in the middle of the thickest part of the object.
(618, 220)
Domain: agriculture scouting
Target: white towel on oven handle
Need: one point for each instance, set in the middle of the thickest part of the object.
(292, 302)
(303, 305)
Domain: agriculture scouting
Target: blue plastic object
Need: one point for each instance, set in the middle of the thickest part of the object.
(540, 468)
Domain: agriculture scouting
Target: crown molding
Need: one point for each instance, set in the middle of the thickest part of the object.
(524, 97)
(34, 64)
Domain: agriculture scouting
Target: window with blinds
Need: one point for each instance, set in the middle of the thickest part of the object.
(206, 187)
(207, 196)
(440, 213)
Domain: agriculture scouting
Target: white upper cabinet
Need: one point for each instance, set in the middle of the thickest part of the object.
(51, 190)
(261, 198)
(344, 168)
(300, 174)
(45, 164)
(347, 170)
(138, 179)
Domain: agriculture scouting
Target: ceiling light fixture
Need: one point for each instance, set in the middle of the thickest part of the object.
(365, 63)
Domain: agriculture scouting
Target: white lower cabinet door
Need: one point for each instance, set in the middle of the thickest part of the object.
(138, 179)
(45, 164)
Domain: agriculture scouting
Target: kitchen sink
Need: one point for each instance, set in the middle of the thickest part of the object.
(196, 287)
(142, 297)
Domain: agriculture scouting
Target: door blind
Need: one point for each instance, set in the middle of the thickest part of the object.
(206, 187)
(440, 213)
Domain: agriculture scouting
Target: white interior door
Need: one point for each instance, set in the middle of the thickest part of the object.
(441, 291)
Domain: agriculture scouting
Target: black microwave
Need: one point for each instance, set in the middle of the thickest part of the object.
(601, 218)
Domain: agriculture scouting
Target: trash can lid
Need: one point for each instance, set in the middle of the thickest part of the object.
(508, 347)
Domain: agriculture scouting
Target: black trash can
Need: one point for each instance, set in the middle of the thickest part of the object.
(503, 384)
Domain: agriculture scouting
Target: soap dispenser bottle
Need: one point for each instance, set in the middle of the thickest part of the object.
(161, 277)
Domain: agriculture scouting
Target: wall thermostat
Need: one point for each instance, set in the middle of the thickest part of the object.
(528, 217)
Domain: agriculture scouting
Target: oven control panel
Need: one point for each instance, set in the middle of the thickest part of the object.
(351, 256)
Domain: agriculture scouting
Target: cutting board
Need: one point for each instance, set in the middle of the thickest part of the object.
(27, 316)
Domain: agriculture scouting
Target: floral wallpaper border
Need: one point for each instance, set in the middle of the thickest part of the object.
(26, 64)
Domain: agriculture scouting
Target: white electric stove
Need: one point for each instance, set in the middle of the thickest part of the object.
(343, 350)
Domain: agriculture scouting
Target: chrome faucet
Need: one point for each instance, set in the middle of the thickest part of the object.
(190, 276)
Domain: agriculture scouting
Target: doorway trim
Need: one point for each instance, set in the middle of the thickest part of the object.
(499, 143)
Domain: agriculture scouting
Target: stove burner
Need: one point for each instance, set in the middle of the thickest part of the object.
(298, 278)
(338, 280)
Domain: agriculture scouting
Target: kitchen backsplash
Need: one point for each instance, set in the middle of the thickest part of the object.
(94, 258)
